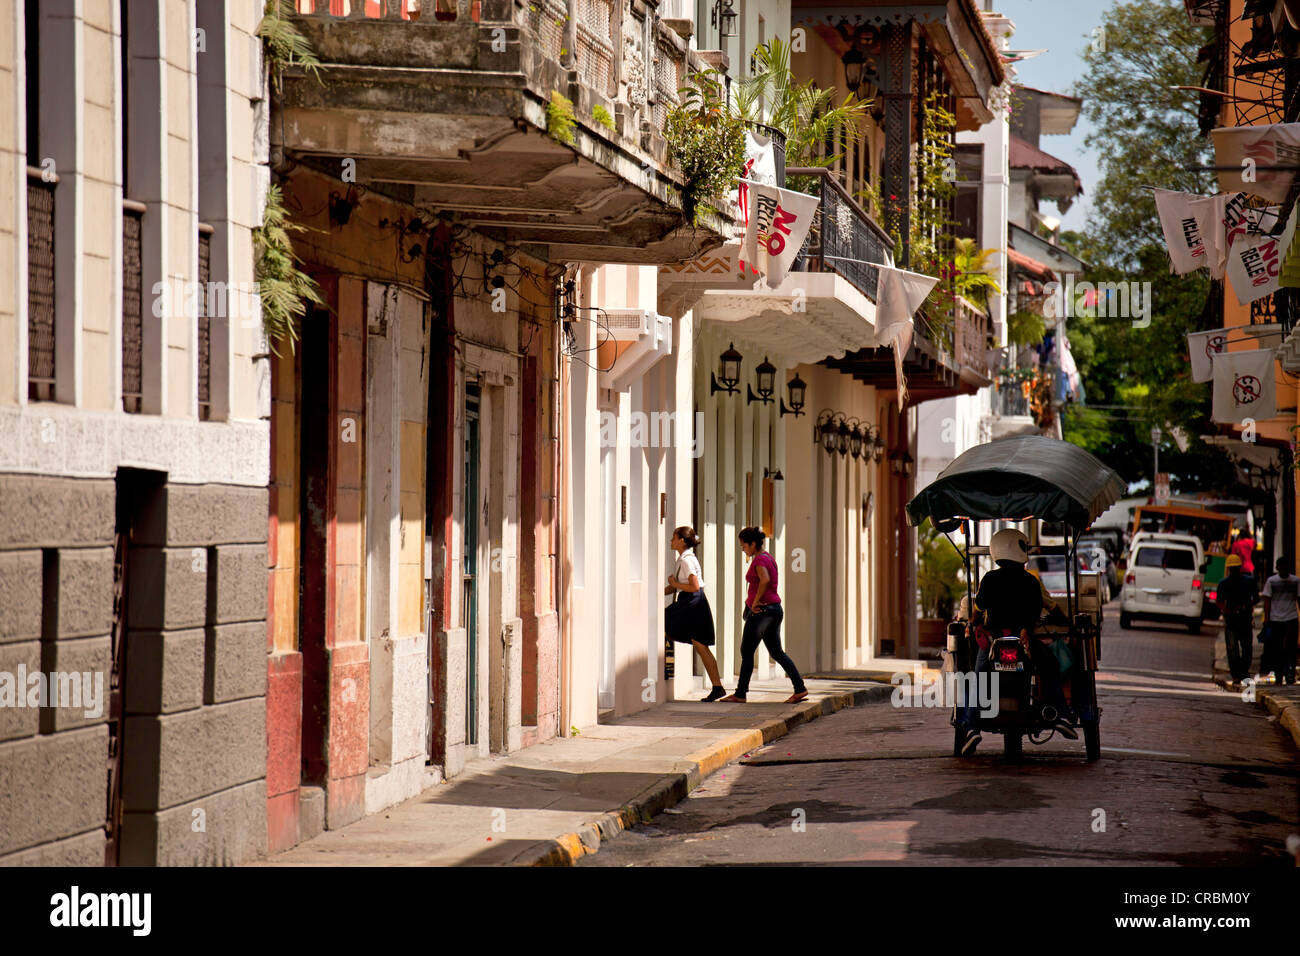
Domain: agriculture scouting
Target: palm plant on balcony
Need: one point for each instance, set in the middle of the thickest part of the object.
(805, 114)
(706, 141)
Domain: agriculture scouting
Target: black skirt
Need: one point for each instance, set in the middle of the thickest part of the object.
(689, 618)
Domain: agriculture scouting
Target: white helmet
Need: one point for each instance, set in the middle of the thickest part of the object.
(1009, 545)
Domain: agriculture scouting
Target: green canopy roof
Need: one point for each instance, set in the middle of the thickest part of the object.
(1019, 477)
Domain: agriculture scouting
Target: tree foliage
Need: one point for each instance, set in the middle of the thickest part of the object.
(1146, 135)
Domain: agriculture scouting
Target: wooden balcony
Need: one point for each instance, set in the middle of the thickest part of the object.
(449, 112)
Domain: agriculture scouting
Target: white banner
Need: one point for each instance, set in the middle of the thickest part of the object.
(778, 223)
(1249, 150)
(1184, 224)
(899, 294)
(1245, 386)
(760, 167)
(1202, 347)
(1255, 263)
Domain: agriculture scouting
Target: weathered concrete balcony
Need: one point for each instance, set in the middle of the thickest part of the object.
(450, 112)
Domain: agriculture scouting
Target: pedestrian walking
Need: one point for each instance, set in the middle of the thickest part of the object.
(689, 619)
(1236, 597)
(1280, 616)
(763, 615)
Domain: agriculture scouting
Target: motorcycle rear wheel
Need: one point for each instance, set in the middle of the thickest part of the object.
(1092, 739)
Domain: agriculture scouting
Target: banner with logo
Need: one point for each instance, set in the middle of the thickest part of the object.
(760, 167)
(1249, 151)
(899, 294)
(779, 220)
(1202, 347)
(1245, 386)
(1186, 220)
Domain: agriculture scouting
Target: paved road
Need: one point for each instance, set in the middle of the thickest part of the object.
(1189, 775)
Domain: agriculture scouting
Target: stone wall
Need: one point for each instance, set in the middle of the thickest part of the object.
(194, 678)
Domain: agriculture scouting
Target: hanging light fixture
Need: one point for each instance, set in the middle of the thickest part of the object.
(877, 445)
(842, 435)
(728, 372)
(855, 442)
(766, 375)
(798, 390)
(724, 18)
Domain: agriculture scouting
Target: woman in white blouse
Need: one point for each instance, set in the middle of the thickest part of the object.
(689, 620)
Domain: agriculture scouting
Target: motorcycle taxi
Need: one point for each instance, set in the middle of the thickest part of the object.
(1015, 479)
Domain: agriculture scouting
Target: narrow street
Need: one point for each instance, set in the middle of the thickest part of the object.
(1190, 775)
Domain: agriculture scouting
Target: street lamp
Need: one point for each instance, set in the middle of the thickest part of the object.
(1155, 444)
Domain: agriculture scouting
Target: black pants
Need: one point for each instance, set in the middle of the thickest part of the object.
(1285, 633)
(764, 627)
(1238, 635)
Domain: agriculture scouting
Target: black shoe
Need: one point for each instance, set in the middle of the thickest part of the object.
(717, 692)
(972, 741)
(1063, 728)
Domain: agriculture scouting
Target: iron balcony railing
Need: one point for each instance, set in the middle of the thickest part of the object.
(132, 307)
(40, 285)
(205, 323)
(843, 238)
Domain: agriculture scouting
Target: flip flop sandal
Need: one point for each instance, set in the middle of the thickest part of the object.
(795, 698)
(732, 699)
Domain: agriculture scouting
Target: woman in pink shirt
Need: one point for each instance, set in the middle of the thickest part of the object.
(763, 616)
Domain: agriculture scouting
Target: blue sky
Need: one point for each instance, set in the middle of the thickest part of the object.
(1063, 28)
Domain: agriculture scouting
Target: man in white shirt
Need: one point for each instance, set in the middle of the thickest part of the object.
(1280, 614)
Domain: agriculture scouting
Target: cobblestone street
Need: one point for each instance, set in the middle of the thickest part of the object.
(1190, 775)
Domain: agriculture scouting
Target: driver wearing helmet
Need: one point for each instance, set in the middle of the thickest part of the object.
(1011, 601)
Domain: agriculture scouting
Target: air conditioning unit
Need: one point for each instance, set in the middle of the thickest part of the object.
(625, 325)
(645, 349)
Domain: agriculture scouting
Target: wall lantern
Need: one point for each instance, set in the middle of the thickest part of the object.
(724, 17)
(861, 75)
(855, 442)
(798, 389)
(827, 431)
(877, 445)
(728, 372)
(766, 375)
(902, 463)
(842, 435)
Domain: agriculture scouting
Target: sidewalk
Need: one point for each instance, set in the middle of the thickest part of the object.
(1282, 702)
(554, 802)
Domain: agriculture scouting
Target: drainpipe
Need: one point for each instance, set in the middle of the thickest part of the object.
(570, 60)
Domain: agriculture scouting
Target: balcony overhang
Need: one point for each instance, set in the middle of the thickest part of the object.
(682, 285)
(452, 117)
(954, 30)
(932, 372)
(808, 317)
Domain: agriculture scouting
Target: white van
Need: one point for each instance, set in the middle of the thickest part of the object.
(1163, 583)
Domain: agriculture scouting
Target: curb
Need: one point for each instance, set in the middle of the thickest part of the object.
(672, 788)
(1285, 709)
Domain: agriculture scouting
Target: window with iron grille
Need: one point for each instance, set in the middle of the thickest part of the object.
(40, 287)
(205, 323)
(132, 308)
